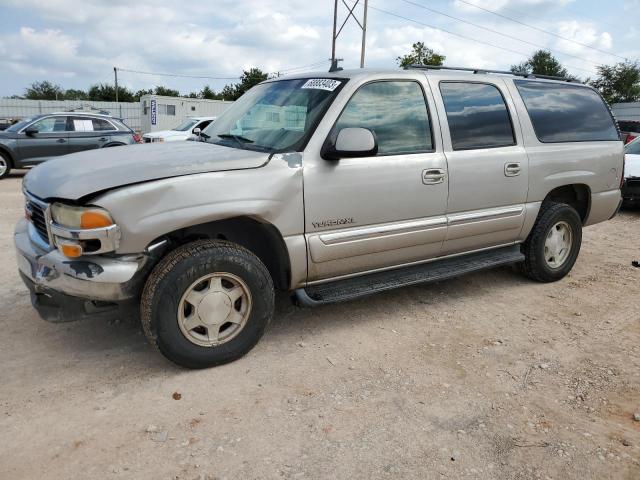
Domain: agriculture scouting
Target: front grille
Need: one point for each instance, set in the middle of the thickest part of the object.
(36, 213)
(147, 140)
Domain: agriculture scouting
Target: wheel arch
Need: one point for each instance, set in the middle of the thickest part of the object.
(7, 153)
(261, 238)
(577, 195)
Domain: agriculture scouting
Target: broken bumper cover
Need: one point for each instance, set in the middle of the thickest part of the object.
(66, 289)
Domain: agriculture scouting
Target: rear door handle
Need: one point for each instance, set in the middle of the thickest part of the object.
(433, 176)
(61, 140)
(103, 139)
(512, 169)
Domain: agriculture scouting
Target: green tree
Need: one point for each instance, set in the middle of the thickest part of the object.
(104, 92)
(249, 79)
(619, 82)
(420, 55)
(141, 93)
(73, 94)
(167, 92)
(44, 90)
(542, 62)
(208, 93)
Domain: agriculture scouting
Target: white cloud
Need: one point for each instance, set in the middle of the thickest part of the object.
(78, 42)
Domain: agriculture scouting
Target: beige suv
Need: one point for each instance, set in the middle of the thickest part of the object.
(329, 186)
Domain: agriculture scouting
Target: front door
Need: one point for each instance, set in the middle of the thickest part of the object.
(386, 210)
(488, 166)
(50, 141)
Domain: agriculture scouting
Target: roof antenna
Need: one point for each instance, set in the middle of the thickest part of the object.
(334, 65)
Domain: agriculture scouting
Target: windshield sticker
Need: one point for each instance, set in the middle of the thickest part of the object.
(322, 84)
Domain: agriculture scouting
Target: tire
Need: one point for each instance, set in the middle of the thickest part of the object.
(166, 307)
(5, 165)
(562, 218)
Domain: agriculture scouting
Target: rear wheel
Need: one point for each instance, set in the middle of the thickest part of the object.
(554, 243)
(207, 303)
(5, 165)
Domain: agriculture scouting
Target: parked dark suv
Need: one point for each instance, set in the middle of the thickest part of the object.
(39, 138)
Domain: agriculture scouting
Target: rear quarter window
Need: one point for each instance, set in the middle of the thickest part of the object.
(566, 113)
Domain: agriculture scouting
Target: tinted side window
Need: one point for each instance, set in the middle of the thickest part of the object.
(100, 124)
(477, 115)
(396, 112)
(566, 113)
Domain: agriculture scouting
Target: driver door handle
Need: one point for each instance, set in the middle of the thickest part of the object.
(61, 140)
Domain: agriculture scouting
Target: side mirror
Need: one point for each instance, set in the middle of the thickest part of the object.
(31, 131)
(196, 131)
(350, 142)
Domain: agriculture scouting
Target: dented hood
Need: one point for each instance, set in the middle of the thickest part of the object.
(78, 175)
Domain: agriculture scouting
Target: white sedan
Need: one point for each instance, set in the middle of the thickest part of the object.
(631, 187)
(181, 132)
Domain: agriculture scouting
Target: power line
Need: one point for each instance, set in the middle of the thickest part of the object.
(495, 31)
(310, 65)
(524, 14)
(506, 17)
(176, 75)
(465, 37)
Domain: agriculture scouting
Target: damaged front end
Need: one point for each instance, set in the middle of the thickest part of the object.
(72, 271)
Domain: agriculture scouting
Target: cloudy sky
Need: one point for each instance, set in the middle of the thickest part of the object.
(76, 43)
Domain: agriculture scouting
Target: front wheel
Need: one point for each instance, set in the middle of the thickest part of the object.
(207, 303)
(554, 243)
(5, 165)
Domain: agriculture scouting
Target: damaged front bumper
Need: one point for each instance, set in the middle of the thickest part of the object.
(64, 289)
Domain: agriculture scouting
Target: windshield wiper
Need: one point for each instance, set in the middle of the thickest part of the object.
(238, 138)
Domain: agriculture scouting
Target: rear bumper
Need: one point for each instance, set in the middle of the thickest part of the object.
(81, 286)
(631, 191)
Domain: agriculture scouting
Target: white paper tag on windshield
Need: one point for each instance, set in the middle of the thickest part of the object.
(322, 84)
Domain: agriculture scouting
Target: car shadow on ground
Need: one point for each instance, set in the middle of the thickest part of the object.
(118, 342)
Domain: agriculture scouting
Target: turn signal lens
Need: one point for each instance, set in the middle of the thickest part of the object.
(94, 219)
(70, 250)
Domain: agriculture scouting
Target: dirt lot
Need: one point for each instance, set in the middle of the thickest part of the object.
(486, 376)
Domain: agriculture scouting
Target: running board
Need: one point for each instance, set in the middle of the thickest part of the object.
(354, 287)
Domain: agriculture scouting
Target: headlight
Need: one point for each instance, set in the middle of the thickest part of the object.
(80, 217)
(159, 139)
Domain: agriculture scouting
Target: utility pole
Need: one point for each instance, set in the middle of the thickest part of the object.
(364, 32)
(115, 74)
(336, 31)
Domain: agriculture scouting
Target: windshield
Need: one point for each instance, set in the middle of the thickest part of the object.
(275, 116)
(21, 124)
(186, 125)
(633, 147)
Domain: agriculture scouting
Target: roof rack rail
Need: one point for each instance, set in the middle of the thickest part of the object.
(485, 70)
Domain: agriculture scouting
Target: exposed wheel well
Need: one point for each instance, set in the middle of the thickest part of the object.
(263, 239)
(576, 195)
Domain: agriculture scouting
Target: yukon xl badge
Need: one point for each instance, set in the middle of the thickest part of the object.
(333, 222)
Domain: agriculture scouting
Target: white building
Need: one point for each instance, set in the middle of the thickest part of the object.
(164, 113)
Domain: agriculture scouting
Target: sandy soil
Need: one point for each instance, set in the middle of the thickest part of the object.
(488, 376)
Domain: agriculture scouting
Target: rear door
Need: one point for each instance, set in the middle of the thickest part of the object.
(52, 140)
(88, 133)
(488, 165)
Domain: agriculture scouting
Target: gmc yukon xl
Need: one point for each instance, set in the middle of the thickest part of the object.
(329, 186)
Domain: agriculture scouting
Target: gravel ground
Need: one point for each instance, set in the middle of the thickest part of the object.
(486, 376)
